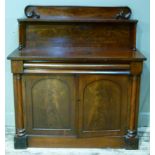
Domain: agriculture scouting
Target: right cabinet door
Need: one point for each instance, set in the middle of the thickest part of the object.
(103, 105)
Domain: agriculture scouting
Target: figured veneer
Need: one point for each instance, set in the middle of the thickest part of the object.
(76, 78)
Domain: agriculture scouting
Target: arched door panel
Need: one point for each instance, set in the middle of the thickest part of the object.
(50, 104)
(103, 104)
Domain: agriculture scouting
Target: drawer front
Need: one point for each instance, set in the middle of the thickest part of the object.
(74, 68)
(50, 104)
(103, 105)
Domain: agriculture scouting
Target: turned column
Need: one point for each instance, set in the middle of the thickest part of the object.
(20, 139)
(20, 131)
(131, 137)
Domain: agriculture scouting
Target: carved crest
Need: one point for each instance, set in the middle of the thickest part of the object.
(48, 12)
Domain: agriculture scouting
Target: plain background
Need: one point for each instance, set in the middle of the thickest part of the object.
(140, 9)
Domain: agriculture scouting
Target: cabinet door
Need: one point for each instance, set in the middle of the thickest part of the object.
(103, 107)
(49, 104)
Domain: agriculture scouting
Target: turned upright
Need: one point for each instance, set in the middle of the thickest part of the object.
(76, 77)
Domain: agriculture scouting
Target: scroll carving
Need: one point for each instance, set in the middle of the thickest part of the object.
(123, 15)
(30, 12)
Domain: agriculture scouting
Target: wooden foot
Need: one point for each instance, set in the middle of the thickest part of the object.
(131, 140)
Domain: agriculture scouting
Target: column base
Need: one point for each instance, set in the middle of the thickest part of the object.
(131, 140)
(20, 142)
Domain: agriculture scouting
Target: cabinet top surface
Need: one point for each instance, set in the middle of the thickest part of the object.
(77, 54)
(75, 19)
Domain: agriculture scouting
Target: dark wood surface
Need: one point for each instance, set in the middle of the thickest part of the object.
(47, 12)
(73, 142)
(101, 101)
(109, 34)
(76, 78)
(114, 35)
(77, 54)
(54, 112)
(74, 19)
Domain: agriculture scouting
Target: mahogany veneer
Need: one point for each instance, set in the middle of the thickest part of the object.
(76, 78)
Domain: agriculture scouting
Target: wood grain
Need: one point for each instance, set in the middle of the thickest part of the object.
(99, 142)
(73, 34)
(48, 12)
(50, 103)
(84, 55)
(19, 115)
(76, 78)
(101, 99)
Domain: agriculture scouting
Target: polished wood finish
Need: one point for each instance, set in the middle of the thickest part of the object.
(73, 142)
(54, 112)
(76, 78)
(17, 66)
(19, 104)
(20, 139)
(58, 35)
(22, 36)
(80, 66)
(48, 12)
(78, 55)
(101, 101)
(135, 84)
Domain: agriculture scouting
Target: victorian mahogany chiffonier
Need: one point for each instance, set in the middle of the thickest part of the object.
(76, 76)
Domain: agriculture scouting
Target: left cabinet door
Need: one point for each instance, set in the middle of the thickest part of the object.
(49, 104)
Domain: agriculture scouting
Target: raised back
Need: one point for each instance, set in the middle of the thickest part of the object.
(43, 12)
(48, 27)
(102, 35)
